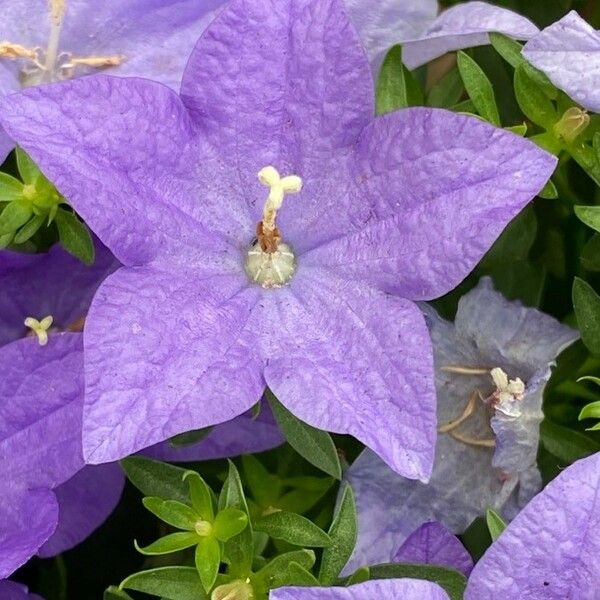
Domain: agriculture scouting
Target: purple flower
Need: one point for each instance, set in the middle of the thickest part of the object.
(406, 589)
(223, 293)
(52, 40)
(568, 52)
(550, 551)
(433, 544)
(492, 365)
(9, 590)
(413, 23)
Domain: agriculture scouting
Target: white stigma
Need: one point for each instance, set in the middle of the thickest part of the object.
(40, 328)
(508, 393)
(270, 262)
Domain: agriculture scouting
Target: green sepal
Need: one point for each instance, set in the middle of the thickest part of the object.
(534, 104)
(361, 575)
(208, 559)
(29, 229)
(229, 522)
(294, 529)
(200, 495)
(6, 240)
(495, 523)
(28, 170)
(343, 533)
(549, 191)
(590, 411)
(314, 445)
(74, 235)
(272, 574)
(174, 513)
(297, 575)
(11, 189)
(174, 542)
(590, 215)
(14, 215)
(479, 88)
(396, 87)
(170, 583)
(587, 310)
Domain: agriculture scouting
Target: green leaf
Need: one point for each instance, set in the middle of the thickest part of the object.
(536, 106)
(479, 88)
(361, 575)
(114, 593)
(208, 559)
(13, 216)
(28, 170)
(396, 87)
(495, 524)
(587, 310)
(230, 522)
(29, 229)
(343, 532)
(292, 528)
(591, 411)
(591, 378)
(11, 189)
(172, 512)
(280, 563)
(265, 488)
(520, 130)
(189, 437)
(549, 192)
(566, 444)
(171, 583)
(5, 240)
(239, 550)
(154, 478)
(200, 495)
(447, 91)
(297, 575)
(590, 215)
(452, 581)
(590, 255)
(314, 445)
(74, 236)
(170, 543)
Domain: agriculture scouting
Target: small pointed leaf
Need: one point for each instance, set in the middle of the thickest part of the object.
(230, 522)
(14, 215)
(200, 495)
(294, 529)
(172, 512)
(495, 523)
(170, 543)
(154, 478)
(479, 88)
(208, 559)
(170, 583)
(74, 236)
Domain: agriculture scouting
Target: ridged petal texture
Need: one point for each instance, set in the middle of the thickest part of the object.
(9, 590)
(406, 589)
(568, 52)
(180, 338)
(550, 551)
(488, 332)
(433, 544)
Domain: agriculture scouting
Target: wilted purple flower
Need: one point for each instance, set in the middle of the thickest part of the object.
(492, 365)
(568, 52)
(53, 40)
(433, 544)
(550, 551)
(413, 23)
(406, 589)
(9, 590)
(223, 293)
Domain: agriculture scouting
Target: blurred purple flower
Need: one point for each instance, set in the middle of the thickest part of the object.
(433, 544)
(9, 590)
(568, 52)
(392, 210)
(140, 38)
(413, 23)
(550, 551)
(405, 589)
(489, 459)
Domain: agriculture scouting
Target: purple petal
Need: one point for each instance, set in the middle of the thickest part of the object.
(361, 366)
(550, 551)
(388, 22)
(441, 187)
(166, 354)
(245, 434)
(9, 590)
(27, 519)
(568, 52)
(56, 283)
(41, 396)
(465, 26)
(100, 140)
(85, 502)
(433, 544)
(405, 589)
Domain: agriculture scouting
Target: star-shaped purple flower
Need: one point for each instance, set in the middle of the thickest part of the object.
(492, 365)
(414, 24)
(406, 589)
(568, 52)
(53, 40)
(223, 292)
(550, 551)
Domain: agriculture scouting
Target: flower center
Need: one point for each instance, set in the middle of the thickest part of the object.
(270, 262)
(203, 528)
(46, 66)
(40, 328)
